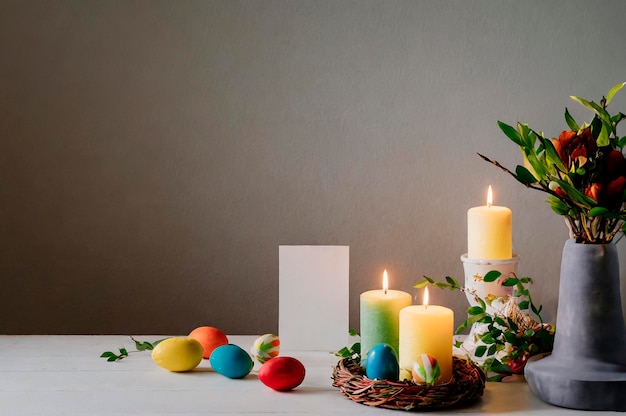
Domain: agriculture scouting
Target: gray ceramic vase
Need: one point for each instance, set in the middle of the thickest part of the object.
(587, 368)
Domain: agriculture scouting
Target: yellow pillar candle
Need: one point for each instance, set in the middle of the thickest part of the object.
(489, 234)
(426, 329)
(380, 311)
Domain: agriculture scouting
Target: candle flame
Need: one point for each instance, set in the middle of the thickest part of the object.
(385, 281)
(425, 302)
(489, 196)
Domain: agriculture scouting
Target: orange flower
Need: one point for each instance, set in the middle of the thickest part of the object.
(593, 191)
(572, 147)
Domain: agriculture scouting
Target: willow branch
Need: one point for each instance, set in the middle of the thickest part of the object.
(527, 185)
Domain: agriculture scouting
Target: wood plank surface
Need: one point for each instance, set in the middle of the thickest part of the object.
(63, 375)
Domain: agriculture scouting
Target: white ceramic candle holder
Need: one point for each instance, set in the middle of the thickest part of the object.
(475, 271)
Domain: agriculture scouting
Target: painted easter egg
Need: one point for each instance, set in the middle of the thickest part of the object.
(426, 370)
(178, 354)
(210, 338)
(265, 347)
(231, 361)
(282, 373)
(382, 363)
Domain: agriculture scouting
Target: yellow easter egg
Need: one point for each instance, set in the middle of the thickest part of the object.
(178, 354)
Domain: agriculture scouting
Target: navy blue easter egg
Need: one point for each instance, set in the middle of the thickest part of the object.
(382, 363)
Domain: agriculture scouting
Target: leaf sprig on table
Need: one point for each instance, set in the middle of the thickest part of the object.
(352, 351)
(123, 352)
(511, 336)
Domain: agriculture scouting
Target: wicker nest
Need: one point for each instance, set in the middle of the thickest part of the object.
(467, 384)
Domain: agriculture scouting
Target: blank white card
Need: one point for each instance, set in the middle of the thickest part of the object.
(313, 311)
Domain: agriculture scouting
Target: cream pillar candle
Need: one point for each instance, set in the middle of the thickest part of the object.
(380, 311)
(489, 234)
(426, 329)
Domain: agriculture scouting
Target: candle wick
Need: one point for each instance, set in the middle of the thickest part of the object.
(385, 291)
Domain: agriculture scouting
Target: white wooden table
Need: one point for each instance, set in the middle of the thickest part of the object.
(63, 375)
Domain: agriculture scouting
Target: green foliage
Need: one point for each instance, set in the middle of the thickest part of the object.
(573, 170)
(502, 332)
(352, 351)
(123, 352)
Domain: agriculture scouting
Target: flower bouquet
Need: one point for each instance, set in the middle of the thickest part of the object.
(584, 173)
(583, 170)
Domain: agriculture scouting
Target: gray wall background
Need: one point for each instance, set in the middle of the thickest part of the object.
(155, 154)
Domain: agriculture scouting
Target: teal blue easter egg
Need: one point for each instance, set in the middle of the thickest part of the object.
(231, 361)
(382, 363)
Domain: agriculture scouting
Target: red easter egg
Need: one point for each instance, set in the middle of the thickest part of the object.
(282, 373)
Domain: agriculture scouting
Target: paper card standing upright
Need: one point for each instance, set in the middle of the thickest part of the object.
(313, 311)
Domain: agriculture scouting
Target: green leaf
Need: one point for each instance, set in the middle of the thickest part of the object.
(511, 133)
(603, 138)
(601, 112)
(111, 356)
(552, 155)
(142, 346)
(485, 320)
(512, 324)
(498, 367)
(613, 91)
(461, 328)
(537, 165)
(353, 332)
(557, 205)
(452, 281)
(422, 284)
(523, 175)
(511, 281)
(495, 332)
(510, 337)
(469, 321)
(524, 304)
(157, 342)
(528, 137)
(492, 349)
(344, 352)
(534, 308)
(570, 121)
(595, 211)
(492, 276)
(475, 310)
(480, 350)
(499, 321)
(618, 117)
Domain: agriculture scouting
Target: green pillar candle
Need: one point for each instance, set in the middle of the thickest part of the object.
(380, 316)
